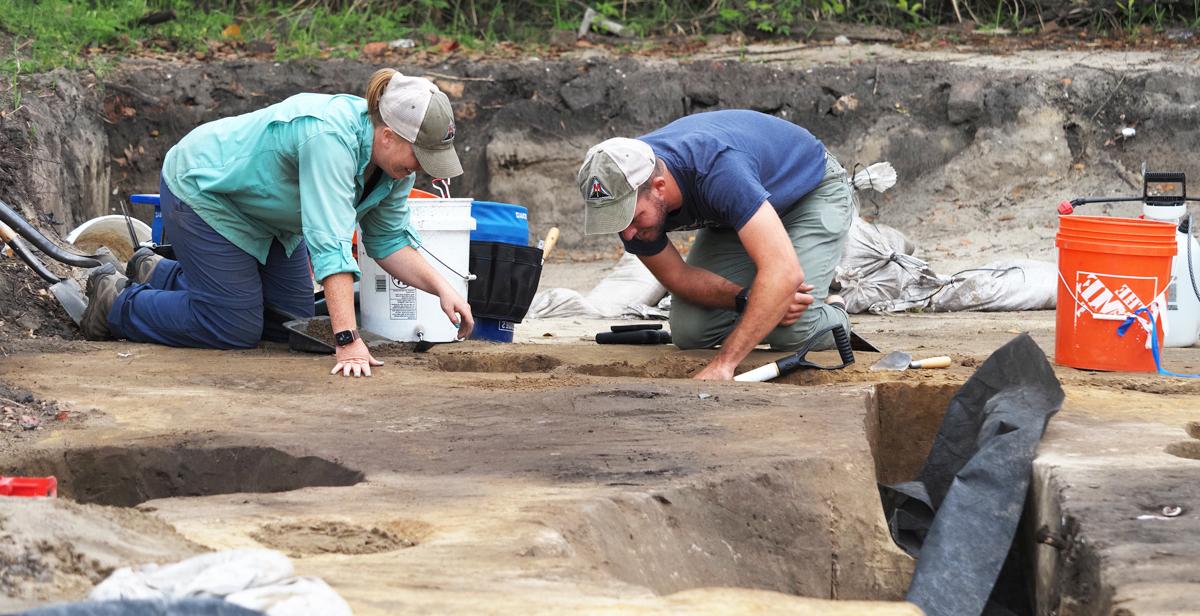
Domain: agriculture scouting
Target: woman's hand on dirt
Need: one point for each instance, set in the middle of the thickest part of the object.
(355, 359)
(459, 312)
(801, 300)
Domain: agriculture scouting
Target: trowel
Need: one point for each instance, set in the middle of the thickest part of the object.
(65, 290)
(899, 360)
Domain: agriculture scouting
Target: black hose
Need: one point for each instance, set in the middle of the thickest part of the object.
(35, 237)
(22, 251)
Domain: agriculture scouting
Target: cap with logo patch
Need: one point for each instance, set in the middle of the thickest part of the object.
(608, 182)
(420, 113)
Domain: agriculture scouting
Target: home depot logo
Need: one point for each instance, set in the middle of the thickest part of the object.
(1112, 294)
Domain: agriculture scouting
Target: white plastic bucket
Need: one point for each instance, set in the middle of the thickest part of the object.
(111, 231)
(400, 312)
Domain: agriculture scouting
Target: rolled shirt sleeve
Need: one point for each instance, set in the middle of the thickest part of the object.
(388, 227)
(327, 168)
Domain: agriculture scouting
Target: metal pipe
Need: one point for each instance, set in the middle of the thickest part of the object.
(35, 237)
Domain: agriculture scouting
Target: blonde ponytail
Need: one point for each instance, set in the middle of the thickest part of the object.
(375, 88)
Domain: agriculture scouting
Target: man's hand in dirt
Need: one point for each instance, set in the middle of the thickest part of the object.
(355, 359)
(715, 372)
(801, 300)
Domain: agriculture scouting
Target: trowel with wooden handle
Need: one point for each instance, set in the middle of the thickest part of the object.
(899, 360)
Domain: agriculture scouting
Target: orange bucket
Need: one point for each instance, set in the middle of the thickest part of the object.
(1108, 268)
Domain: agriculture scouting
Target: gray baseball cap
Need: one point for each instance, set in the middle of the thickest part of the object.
(608, 181)
(420, 113)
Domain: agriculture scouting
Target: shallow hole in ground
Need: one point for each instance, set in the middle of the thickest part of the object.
(486, 362)
(310, 537)
(674, 366)
(128, 476)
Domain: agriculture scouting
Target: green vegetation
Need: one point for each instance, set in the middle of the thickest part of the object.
(38, 35)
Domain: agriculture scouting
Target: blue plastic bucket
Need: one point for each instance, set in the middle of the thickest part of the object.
(507, 224)
(493, 330)
(500, 222)
(156, 227)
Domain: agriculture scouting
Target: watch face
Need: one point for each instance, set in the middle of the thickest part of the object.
(343, 338)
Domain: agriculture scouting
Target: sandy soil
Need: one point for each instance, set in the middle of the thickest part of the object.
(552, 474)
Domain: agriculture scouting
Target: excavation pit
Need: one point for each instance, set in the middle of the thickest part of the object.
(902, 421)
(805, 526)
(486, 362)
(128, 476)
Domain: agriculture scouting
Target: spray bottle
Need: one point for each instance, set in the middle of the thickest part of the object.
(1181, 323)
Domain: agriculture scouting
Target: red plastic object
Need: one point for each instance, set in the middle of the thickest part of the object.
(1065, 208)
(29, 486)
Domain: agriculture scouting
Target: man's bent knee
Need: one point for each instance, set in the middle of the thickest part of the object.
(815, 321)
(692, 329)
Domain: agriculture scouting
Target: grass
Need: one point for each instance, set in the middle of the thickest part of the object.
(37, 35)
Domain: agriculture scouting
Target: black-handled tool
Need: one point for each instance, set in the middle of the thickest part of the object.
(642, 336)
(795, 361)
(35, 237)
(65, 290)
(635, 328)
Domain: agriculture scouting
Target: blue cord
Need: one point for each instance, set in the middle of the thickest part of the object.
(1124, 327)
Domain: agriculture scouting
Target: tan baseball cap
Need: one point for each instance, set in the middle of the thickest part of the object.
(608, 182)
(420, 113)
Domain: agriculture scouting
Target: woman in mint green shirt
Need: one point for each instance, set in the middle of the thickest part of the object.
(249, 201)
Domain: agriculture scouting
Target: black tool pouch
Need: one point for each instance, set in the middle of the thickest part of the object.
(507, 276)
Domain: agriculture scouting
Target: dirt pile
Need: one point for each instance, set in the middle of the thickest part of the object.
(53, 548)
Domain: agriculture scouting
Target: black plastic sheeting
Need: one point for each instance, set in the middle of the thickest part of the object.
(960, 515)
(146, 607)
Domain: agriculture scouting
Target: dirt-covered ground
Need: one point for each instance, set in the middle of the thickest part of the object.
(556, 475)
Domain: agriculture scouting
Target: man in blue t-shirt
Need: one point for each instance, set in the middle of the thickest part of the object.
(773, 208)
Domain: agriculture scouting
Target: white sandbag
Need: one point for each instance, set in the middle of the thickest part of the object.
(1015, 284)
(629, 283)
(876, 265)
(255, 579)
(629, 290)
(212, 574)
(560, 302)
(298, 596)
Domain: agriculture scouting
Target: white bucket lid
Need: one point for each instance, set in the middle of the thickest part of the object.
(442, 214)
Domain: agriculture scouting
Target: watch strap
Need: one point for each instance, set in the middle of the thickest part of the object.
(741, 299)
(345, 337)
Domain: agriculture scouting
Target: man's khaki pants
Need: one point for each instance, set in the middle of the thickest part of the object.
(817, 226)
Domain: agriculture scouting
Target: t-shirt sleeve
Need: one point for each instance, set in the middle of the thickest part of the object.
(327, 167)
(730, 189)
(387, 227)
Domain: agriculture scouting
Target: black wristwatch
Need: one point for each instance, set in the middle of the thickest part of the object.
(343, 338)
(741, 299)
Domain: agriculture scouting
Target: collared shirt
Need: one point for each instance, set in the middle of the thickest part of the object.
(727, 163)
(293, 171)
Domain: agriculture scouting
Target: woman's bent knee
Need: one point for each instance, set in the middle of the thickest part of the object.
(231, 328)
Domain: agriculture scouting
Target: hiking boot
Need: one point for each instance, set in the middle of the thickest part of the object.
(141, 265)
(104, 284)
